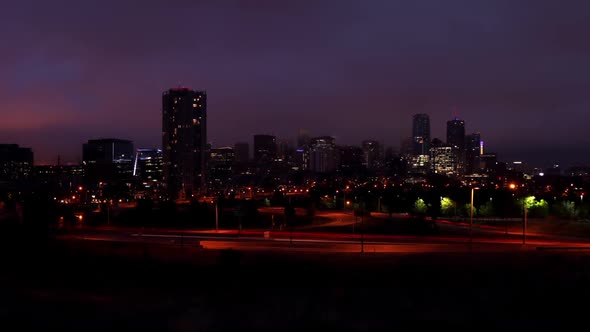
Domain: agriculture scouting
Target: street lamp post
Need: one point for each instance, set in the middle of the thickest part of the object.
(471, 214)
(524, 221)
(344, 197)
(513, 186)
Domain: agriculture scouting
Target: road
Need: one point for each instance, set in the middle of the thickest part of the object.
(321, 242)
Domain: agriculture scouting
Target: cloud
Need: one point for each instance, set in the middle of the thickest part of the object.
(348, 68)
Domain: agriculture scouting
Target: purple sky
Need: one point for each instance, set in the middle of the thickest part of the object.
(517, 71)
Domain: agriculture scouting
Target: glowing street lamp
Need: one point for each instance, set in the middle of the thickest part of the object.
(471, 214)
(524, 215)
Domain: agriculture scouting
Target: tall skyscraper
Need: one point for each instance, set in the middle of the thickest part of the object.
(421, 134)
(456, 133)
(473, 147)
(265, 148)
(456, 139)
(184, 142)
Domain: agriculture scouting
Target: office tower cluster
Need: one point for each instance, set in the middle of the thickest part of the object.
(458, 155)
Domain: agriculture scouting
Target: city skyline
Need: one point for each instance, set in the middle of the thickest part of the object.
(509, 70)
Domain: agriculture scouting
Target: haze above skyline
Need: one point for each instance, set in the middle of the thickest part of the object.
(516, 72)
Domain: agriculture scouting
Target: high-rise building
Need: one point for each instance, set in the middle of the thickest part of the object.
(421, 134)
(16, 163)
(473, 149)
(148, 167)
(184, 142)
(265, 148)
(443, 158)
(323, 155)
(372, 154)
(221, 166)
(242, 152)
(456, 133)
(456, 139)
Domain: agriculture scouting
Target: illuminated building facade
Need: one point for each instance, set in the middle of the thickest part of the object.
(420, 144)
(148, 167)
(184, 142)
(443, 158)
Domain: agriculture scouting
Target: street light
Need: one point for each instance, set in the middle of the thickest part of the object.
(473, 189)
(512, 186)
(344, 196)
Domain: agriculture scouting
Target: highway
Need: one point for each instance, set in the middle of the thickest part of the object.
(259, 240)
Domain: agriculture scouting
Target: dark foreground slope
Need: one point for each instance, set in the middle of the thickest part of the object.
(96, 286)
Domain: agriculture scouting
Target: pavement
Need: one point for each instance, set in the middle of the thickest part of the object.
(262, 240)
